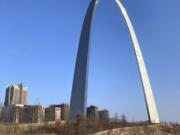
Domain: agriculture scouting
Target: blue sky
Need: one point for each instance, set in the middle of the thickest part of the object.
(39, 40)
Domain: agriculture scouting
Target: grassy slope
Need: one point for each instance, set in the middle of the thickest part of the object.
(85, 127)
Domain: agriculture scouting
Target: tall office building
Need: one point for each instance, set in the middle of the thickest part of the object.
(16, 94)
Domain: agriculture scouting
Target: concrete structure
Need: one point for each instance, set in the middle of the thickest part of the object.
(53, 113)
(23, 114)
(79, 88)
(64, 111)
(12, 114)
(104, 115)
(33, 114)
(92, 112)
(150, 102)
(16, 110)
(16, 94)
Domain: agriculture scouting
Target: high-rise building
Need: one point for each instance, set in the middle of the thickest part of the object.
(16, 94)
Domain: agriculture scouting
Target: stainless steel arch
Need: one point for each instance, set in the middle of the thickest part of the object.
(79, 88)
(80, 81)
(150, 102)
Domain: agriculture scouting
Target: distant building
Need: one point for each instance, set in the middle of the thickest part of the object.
(33, 114)
(16, 94)
(52, 113)
(64, 111)
(11, 114)
(23, 114)
(92, 112)
(104, 115)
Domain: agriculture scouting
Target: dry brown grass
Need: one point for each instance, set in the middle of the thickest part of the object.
(10, 130)
(84, 126)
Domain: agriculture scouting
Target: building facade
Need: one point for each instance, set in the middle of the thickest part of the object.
(92, 112)
(16, 94)
(53, 113)
(12, 114)
(64, 111)
(104, 115)
(32, 114)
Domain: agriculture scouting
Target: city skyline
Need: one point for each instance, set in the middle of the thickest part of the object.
(59, 49)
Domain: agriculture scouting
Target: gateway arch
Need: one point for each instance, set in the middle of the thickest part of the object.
(78, 101)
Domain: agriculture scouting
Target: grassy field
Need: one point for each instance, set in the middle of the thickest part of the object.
(88, 127)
